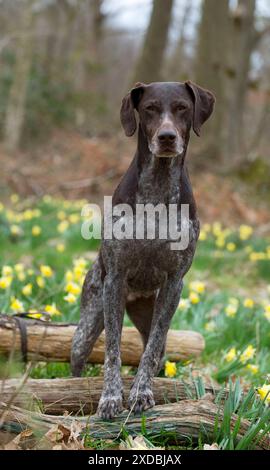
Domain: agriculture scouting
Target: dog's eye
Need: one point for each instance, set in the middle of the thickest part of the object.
(181, 108)
(151, 108)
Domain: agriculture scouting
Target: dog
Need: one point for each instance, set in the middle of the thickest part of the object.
(142, 276)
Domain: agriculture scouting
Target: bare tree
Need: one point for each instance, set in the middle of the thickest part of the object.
(210, 67)
(149, 65)
(178, 63)
(242, 43)
(17, 97)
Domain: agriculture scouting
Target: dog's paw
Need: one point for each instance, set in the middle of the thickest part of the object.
(109, 407)
(141, 400)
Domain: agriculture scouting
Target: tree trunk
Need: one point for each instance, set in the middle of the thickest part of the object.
(16, 104)
(81, 395)
(242, 42)
(149, 66)
(187, 421)
(210, 68)
(52, 342)
(178, 63)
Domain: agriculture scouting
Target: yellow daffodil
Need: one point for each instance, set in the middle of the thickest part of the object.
(170, 369)
(61, 215)
(69, 276)
(82, 262)
(46, 271)
(234, 301)
(210, 326)
(197, 286)
(203, 235)
(19, 267)
(231, 355)
(220, 242)
(257, 256)
(30, 272)
(206, 228)
(36, 230)
(16, 305)
(74, 218)
(7, 270)
(253, 368)
(63, 226)
(40, 282)
(184, 304)
(28, 214)
(216, 228)
(72, 288)
(21, 276)
(194, 298)
(231, 246)
(70, 298)
(52, 310)
(1, 207)
(47, 199)
(79, 273)
(264, 393)
(248, 303)
(14, 198)
(27, 289)
(267, 312)
(231, 310)
(5, 282)
(15, 230)
(245, 232)
(247, 354)
(60, 247)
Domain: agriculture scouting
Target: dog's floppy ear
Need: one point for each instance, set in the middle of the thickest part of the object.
(129, 103)
(204, 102)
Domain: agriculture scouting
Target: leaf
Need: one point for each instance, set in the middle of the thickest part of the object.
(137, 443)
(213, 446)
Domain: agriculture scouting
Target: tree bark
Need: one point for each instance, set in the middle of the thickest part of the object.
(188, 421)
(149, 66)
(241, 47)
(52, 342)
(178, 63)
(210, 69)
(17, 97)
(81, 395)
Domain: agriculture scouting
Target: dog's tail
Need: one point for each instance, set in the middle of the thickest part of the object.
(91, 323)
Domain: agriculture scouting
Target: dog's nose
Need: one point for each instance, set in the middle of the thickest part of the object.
(166, 136)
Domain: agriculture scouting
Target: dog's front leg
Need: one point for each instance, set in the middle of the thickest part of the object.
(110, 403)
(141, 396)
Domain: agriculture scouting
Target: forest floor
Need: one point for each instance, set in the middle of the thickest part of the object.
(227, 291)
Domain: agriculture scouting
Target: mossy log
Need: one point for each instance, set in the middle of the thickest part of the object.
(81, 395)
(186, 422)
(51, 342)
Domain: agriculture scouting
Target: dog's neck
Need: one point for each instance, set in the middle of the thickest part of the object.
(159, 179)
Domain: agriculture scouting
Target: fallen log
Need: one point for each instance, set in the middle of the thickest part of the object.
(81, 395)
(51, 342)
(187, 422)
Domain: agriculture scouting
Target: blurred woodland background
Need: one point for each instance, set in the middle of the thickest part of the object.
(66, 64)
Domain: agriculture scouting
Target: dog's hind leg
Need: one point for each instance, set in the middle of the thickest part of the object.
(91, 323)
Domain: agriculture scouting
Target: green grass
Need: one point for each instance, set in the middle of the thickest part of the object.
(230, 265)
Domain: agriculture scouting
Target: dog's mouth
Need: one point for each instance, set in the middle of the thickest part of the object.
(166, 151)
(169, 152)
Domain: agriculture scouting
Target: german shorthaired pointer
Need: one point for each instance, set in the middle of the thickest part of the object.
(143, 276)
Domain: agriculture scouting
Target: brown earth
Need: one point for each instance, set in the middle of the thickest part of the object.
(72, 166)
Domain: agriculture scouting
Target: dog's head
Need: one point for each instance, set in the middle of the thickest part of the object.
(167, 110)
